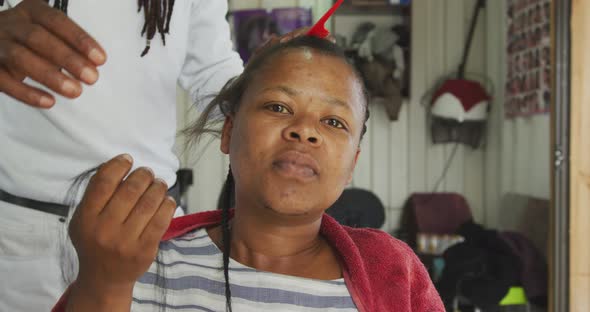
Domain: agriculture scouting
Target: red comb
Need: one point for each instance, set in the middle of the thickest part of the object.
(318, 29)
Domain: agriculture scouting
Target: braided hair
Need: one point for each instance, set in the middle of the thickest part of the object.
(226, 233)
(157, 18)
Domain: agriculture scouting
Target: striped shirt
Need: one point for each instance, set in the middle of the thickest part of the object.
(193, 281)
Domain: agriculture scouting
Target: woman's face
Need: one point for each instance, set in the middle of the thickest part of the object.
(293, 143)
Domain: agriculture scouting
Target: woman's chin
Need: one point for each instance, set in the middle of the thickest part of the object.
(294, 201)
(290, 210)
(293, 208)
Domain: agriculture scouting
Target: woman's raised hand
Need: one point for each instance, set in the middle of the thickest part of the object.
(116, 231)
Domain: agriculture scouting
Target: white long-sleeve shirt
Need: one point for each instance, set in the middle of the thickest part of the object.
(132, 107)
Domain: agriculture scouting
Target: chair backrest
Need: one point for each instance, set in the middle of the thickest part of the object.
(433, 213)
(358, 208)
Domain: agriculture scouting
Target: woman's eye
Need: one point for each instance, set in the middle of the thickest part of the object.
(278, 108)
(334, 123)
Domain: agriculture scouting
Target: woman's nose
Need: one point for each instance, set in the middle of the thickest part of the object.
(303, 132)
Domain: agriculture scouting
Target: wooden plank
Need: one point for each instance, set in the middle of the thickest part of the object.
(580, 292)
(435, 64)
(579, 160)
(495, 14)
(398, 169)
(473, 159)
(416, 150)
(580, 219)
(509, 162)
(455, 32)
(380, 158)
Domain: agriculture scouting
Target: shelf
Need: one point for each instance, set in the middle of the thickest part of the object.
(380, 9)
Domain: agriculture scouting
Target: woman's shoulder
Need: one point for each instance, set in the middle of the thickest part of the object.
(184, 224)
(379, 242)
(369, 246)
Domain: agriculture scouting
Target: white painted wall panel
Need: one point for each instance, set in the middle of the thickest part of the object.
(517, 157)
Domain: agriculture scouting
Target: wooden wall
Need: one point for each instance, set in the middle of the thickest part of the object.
(580, 159)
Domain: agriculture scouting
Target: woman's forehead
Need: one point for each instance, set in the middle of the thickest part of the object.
(305, 69)
(300, 65)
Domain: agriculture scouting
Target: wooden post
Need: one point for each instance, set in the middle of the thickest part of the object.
(580, 159)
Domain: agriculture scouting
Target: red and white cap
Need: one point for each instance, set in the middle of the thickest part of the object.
(461, 100)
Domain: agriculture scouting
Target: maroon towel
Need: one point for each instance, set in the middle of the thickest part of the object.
(382, 273)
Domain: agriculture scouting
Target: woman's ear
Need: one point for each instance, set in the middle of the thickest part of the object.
(228, 125)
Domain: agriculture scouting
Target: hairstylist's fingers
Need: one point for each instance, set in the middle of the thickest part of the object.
(159, 223)
(30, 64)
(16, 74)
(63, 27)
(23, 92)
(53, 49)
(103, 184)
(127, 195)
(145, 208)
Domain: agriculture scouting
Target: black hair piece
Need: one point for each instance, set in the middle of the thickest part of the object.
(226, 238)
(157, 13)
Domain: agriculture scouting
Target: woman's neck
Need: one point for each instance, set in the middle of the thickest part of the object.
(266, 233)
(269, 242)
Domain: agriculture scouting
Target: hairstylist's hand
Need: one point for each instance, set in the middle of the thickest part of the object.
(38, 41)
(116, 231)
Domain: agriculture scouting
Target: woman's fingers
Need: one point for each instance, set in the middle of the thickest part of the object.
(145, 208)
(118, 227)
(155, 229)
(103, 185)
(126, 196)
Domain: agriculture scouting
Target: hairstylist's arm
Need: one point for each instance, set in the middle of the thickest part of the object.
(38, 41)
(116, 232)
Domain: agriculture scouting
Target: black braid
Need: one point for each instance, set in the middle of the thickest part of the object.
(61, 5)
(157, 14)
(226, 238)
(161, 21)
(169, 17)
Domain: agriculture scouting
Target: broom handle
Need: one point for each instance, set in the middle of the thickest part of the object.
(480, 5)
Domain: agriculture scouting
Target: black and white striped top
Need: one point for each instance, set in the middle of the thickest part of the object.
(193, 281)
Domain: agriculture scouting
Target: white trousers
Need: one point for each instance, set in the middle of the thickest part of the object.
(30, 268)
(31, 243)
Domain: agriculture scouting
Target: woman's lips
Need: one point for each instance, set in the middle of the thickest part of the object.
(297, 165)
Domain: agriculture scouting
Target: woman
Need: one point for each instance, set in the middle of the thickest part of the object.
(293, 126)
